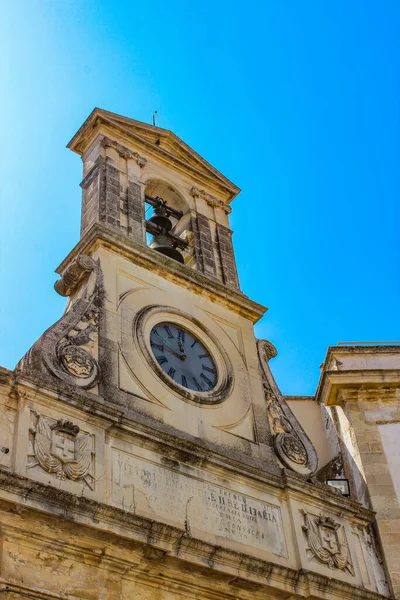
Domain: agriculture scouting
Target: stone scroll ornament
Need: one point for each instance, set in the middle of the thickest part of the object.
(292, 445)
(65, 350)
(60, 448)
(327, 542)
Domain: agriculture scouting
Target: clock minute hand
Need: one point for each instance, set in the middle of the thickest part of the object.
(180, 355)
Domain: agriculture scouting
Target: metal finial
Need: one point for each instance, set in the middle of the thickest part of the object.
(154, 118)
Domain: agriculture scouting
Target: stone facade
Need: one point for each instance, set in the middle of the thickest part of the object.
(117, 481)
(361, 387)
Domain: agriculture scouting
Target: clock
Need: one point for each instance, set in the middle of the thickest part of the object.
(183, 357)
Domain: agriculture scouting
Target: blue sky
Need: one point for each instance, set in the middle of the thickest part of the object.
(296, 101)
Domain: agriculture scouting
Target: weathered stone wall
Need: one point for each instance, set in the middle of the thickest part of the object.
(149, 515)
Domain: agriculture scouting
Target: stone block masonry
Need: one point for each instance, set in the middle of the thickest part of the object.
(106, 200)
(228, 263)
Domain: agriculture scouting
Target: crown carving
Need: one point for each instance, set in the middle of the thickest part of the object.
(328, 522)
(64, 426)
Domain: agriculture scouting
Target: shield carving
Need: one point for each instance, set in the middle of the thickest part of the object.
(329, 539)
(327, 542)
(62, 449)
(63, 446)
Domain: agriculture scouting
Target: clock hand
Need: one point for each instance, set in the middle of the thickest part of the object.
(177, 353)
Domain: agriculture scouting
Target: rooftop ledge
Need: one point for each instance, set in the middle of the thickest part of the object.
(362, 365)
(354, 344)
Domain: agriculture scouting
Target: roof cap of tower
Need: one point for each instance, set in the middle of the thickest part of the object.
(154, 140)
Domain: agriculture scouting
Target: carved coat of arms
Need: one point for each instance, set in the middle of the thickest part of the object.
(61, 449)
(327, 542)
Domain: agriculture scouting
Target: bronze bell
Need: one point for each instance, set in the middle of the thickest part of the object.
(162, 242)
(160, 218)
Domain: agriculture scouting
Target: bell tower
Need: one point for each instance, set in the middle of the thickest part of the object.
(128, 166)
(155, 219)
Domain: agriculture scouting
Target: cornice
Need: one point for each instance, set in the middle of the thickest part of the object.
(140, 254)
(5, 376)
(172, 542)
(355, 378)
(376, 381)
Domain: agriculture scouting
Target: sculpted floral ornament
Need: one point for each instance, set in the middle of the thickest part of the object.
(123, 151)
(59, 448)
(327, 542)
(211, 200)
(292, 444)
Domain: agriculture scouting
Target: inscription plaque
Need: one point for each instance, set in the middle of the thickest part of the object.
(193, 502)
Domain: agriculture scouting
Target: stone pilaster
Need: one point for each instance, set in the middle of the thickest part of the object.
(110, 194)
(135, 211)
(228, 263)
(111, 197)
(360, 417)
(368, 415)
(203, 244)
(90, 198)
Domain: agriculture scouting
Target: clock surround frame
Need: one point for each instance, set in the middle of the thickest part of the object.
(151, 315)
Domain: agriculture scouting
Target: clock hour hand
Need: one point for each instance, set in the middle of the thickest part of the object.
(180, 354)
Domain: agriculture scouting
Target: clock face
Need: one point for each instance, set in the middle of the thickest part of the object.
(183, 357)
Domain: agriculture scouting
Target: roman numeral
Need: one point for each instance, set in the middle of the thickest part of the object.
(171, 372)
(184, 382)
(196, 383)
(161, 359)
(194, 343)
(181, 335)
(208, 369)
(169, 333)
(158, 346)
(203, 355)
(202, 376)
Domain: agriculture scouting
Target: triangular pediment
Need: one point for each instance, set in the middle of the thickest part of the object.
(158, 141)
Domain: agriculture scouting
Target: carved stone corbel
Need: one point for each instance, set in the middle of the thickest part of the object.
(292, 445)
(75, 273)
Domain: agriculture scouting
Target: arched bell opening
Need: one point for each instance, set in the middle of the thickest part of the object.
(167, 221)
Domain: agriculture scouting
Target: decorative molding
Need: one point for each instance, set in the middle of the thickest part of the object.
(292, 445)
(327, 542)
(66, 348)
(59, 449)
(381, 393)
(123, 151)
(211, 200)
